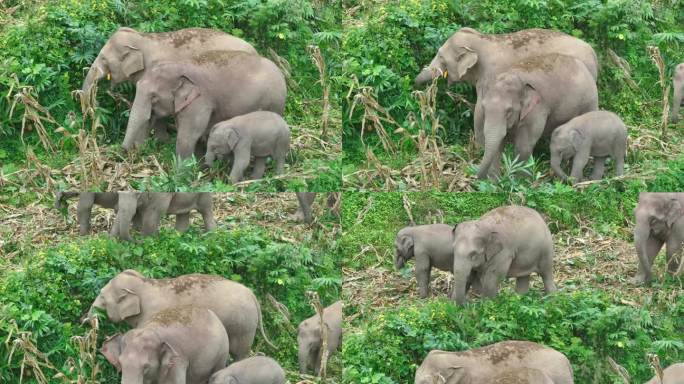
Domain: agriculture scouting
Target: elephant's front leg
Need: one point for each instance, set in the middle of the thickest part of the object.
(192, 123)
(259, 168)
(84, 209)
(522, 284)
(599, 167)
(578, 163)
(647, 248)
(182, 222)
(423, 269)
(240, 162)
(150, 222)
(490, 283)
(527, 135)
(478, 117)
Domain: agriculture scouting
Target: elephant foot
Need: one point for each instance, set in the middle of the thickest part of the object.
(638, 280)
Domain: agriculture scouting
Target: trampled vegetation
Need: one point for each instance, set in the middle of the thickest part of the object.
(47, 140)
(596, 314)
(49, 280)
(397, 137)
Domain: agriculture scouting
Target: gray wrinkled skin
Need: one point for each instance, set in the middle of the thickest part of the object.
(674, 374)
(509, 241)
(150, 207)
(600, 134)
(260, 134)
(310, 338)
(182, 344)
(135, 299)
(252, 370)
(659, 221)
(678, 95)
(482, 365)
(201, 92)
(529, 100)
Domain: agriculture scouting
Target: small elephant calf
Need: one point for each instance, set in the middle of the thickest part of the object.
(259, 134)
(600, 134)
(253, 370)
(310, 337)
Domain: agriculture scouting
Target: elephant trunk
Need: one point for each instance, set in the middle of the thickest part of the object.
(131, 376)
(556, 159)
(138, 121)
(98, 303)
(642, 231)
(303, 359)
(423, 77)
(399, 260)
(96, 72)
(461, 278)
(494, 132)
(209, 157)
(676, 103)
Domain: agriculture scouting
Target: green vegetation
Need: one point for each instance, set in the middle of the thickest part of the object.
(47, 286)
(46, 46)
(596, 313)
(410, 141)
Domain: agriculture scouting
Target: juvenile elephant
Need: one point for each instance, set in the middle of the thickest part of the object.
(678, 96)
(510, 241)
(659, 220)
(482, 365)
(523, 376)
(532, 98)
(86, 200)
(259, 134)
(182, 344)
(306, 200)
(200, 92)
(133, 298)
(253, 370)
(431, 245)
(674, 374)
(471, 56)
(129, 54)
(150, 207)
(310, 338)
(601, 134)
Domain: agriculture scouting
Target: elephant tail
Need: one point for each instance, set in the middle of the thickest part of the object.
(261, 323)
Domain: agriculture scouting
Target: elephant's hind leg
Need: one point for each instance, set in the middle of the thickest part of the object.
(240, 345)
(182, 222)
(674, 246)
(259, 168)
(546, 271)
(522, 284)
(599, 167)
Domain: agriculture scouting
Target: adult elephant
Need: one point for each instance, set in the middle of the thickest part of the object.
(509, 241)
(678, 95)
(659, 221)
(200, 92)
(531, 99)
(135, 299)
(471, 56)
(129, 54)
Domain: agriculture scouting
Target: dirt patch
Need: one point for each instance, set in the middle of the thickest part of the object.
(183, 284)
(184, 36)
(181, 315)
(523, 38)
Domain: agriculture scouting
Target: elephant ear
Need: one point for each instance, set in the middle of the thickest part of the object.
(111, 349)
(577, 138)
(455, 374)
(186, 92)
(133, 61)
(530, 99)
(129, 304)
(673, 211)
(406, 243)
(464, 61)
(232, 138)
(493, 246)
(171, 364)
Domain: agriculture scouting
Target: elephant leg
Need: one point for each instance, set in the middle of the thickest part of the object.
(650, 248)
(677, 98)
(205, 208)
(182, 222)
(599, 166)
(479, 123)
(279, 159)
(578, 163)
(259, 168)
(423, 280)
(619, 164)
(490, 284)
(161, 132)
(546, 271)
(126, 211)
(191, 126)
(674, 245)
(150, 222)
(83, 211)
(240, 344)
(240, 163)
(522, 284)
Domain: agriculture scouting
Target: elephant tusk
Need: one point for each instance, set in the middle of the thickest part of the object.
(109, 76)
(446, 72)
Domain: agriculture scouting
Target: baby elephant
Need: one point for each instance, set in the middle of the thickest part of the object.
(254, 370)
(483, 365)
(184, 344)
(259, 134)
(310, 339)
(674, 374)
(600, 134)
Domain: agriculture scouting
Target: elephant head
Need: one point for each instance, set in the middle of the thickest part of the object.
(121, 296)
(120, 59)
(222, 141)
(403, 249)
(142, 357)
(663, 215)
(163, 91)
(453, 374)
(222, 377)
(456, 60)
(309, 344)
(475, 244)
(565, 143)
(507, 101)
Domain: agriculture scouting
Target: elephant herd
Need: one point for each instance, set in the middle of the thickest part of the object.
(514, 242)
(185, 329)
(534, 83)
(220, 91)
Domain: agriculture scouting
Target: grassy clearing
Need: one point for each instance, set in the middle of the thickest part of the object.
(596, 313)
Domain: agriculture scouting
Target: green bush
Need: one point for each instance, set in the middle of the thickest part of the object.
(47, 292)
